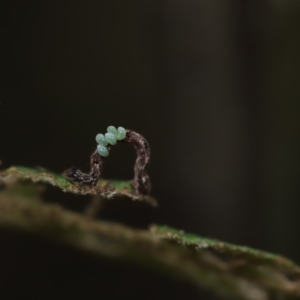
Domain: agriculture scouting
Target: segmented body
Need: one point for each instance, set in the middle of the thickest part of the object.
(141, 180)
(92, 177)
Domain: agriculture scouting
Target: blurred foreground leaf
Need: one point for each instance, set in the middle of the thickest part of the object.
(225, 269)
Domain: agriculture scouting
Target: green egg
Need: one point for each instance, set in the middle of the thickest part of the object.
(111, 138)
(112, 129)
(121, 133)
(101, 140)
(102, 150)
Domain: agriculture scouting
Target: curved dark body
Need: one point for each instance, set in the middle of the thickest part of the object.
(141, 180)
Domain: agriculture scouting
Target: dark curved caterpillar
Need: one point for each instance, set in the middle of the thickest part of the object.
(90, 179)
(141, 180)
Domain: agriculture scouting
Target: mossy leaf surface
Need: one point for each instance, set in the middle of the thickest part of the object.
(105, 188)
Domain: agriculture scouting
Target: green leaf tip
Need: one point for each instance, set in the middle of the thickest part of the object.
(106, 188)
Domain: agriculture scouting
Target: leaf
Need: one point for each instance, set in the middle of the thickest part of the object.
(252, 273)
(106, 188)
(225, 269)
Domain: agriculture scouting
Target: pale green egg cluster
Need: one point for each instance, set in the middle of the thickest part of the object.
(110, 137)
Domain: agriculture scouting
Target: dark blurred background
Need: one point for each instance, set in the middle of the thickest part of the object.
(213, 85)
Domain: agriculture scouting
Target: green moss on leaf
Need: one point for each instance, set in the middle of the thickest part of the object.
(106, 188)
